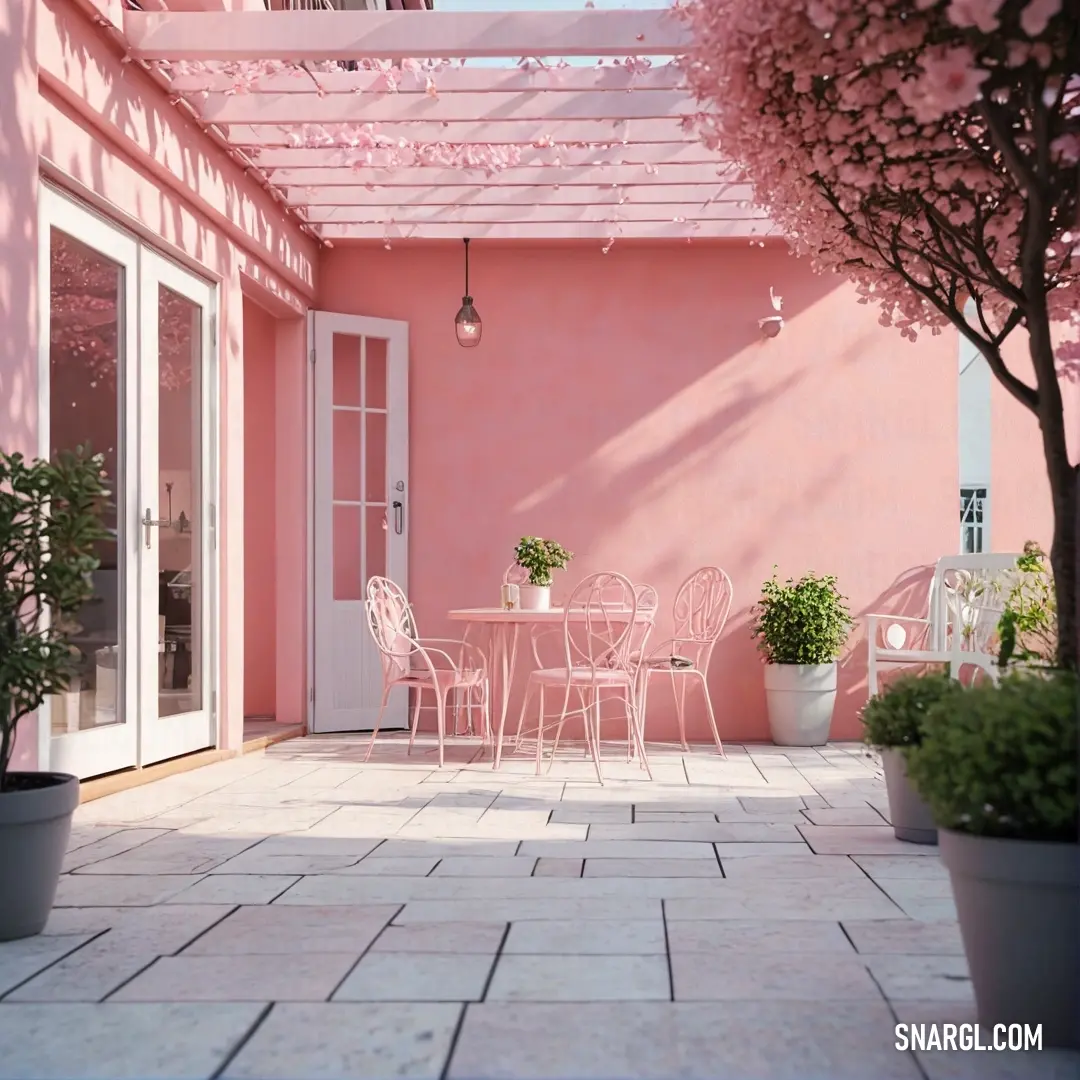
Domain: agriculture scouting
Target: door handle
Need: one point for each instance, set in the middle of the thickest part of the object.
(149, 523)
(399, 517)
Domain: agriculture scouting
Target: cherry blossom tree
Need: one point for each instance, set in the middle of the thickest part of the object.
(930, 151)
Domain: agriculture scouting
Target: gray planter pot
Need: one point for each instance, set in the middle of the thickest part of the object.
(1018, 903)
(910, 816)
(35, 823)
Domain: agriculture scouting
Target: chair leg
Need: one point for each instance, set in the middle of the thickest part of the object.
(415, 718)
(562, 721)
(378, 722)
(709, 710)
(643, 698)
(540, 733)
(596, 734)
(440, 709)
(678, 687)
(639, 737)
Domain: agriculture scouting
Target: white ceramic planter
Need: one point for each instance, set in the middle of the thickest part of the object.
(535, 597)
(801, 699)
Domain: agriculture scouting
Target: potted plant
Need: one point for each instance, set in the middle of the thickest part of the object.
(51, 521)
(893, 724)
(801, 627)
(538, 558)
(1027, 628)
(998, 766)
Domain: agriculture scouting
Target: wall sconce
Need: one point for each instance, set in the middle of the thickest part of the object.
(467, 324)
(771, 325)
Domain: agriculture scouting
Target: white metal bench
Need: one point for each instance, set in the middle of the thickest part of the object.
(965, 600)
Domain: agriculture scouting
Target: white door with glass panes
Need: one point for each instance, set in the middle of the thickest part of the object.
(127, 367)
(361, 509)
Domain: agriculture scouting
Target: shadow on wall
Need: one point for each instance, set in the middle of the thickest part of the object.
(629, 407)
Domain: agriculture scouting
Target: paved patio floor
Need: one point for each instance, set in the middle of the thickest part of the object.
(297, 914)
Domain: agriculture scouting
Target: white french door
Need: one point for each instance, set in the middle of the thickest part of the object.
(176, 526)
(361, 509)
(127, 367)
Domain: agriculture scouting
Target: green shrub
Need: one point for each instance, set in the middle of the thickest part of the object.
(540, 557)
(51, 523)
(801, 622)
(1002, 761)
(896, 718)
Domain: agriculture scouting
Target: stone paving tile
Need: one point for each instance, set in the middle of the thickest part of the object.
(921, 978)
(234, 889)
(425, 911)
(251, 977)
(484, 866)
(406, 866)
(903, 868)
(628, 937)
(551, 977)
(444, 848)
(274, 929)
(860, 840)
(160, 1041)
(905, 936)
(854, 815)
(746, 832)
(756, 1040)
(800, 864)
(559, 868)
(771, 976)
(617, 849)
(111, 841)
(91, 890)
(931, 911)
(444, 937)
(388, 976)
(91, 974)
(655, 868)
(368, 1041)
(709, 937)
(23, 959)
(793, 900)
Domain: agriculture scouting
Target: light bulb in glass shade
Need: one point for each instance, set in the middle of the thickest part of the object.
(467, 324)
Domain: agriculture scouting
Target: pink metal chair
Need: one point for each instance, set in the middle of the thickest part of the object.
(701, 610)
(598, 629)
(412, 661)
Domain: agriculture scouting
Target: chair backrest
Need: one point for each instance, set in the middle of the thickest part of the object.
(702, 605)
(390, 620)
(516, 575)
(599, 622)
(968, 592)
(648, 603)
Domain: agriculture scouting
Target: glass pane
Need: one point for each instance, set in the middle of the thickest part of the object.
(86, 320)
(181, 585)
(378, 531)
(347, 456)
(375, 467)
(346, 370)
(375, 373)
(348, 571)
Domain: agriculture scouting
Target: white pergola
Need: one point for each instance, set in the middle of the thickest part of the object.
(372, 125)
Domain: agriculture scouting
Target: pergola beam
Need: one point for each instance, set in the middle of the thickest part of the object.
(399, 35)
(469, 214)
(641, 230)
(449, 80)
(541, 105)
(342, 183)
(362, 166)
(500, 132)
(549, 195)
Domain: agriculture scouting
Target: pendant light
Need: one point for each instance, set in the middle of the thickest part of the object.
(467, 323)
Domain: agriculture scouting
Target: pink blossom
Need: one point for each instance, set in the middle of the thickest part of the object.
(1035, 18)
(982, 14)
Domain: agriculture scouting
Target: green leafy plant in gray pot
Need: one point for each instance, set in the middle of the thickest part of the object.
(538, 558)
(893, 723)
(801, 628)
(998, 766)
(51, 521)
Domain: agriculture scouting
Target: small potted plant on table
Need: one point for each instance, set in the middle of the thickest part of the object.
(998, 766)
(51, 521)
(539, 558)
(893, 723)
(801, 627)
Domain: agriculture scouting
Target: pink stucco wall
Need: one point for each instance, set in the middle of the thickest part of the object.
(628, 406)
(260, 508)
